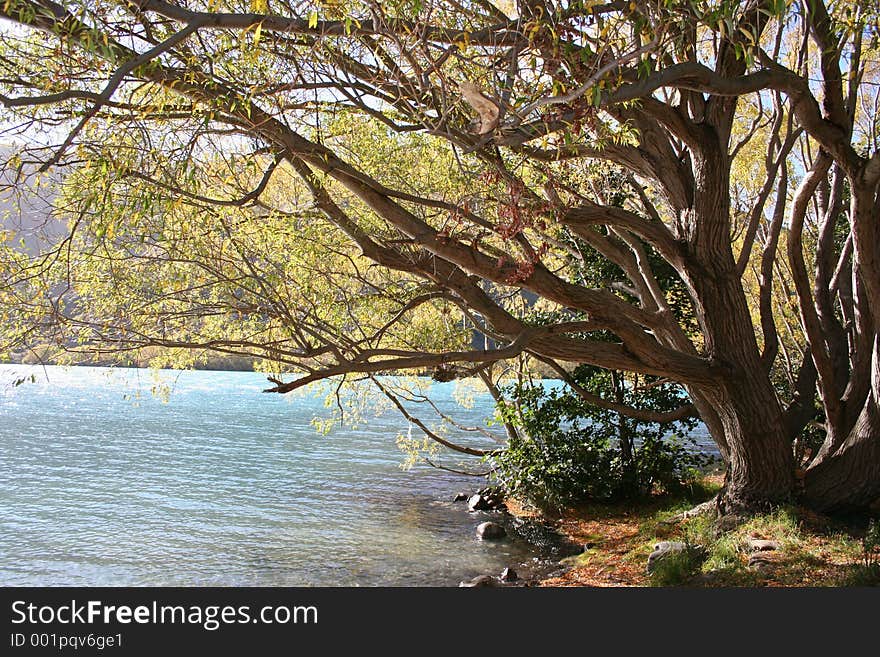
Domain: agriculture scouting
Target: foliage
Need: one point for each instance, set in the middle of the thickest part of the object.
(568, 450)
(352, 188)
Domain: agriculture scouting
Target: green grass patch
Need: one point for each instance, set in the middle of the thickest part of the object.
(805, 556)
(861, 575)
(676, 569)
(812, 550)
(583, 559)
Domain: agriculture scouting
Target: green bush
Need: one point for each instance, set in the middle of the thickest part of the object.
(569, 451)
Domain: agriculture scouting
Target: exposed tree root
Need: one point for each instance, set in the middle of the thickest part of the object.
(707, 507)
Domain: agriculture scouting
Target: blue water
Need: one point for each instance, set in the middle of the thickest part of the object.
(104, 483)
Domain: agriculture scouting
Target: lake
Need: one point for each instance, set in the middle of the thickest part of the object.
(104, 483)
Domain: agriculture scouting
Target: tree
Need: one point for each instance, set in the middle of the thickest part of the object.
(215, 106)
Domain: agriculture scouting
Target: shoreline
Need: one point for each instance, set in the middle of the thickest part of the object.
(549, 547)
(655, 542)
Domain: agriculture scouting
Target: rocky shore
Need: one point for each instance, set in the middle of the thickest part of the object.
(496, 521)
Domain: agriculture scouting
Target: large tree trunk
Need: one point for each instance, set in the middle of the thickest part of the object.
(761, 468)
(750, 431)
(849, 478)
(750, 417)
(847, 475)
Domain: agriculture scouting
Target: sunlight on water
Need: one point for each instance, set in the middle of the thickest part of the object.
(104, 483)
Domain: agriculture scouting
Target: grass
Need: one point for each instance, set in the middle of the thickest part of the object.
(812, 550)
(676, 569)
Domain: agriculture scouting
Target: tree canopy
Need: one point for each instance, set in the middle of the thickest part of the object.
(353, 187)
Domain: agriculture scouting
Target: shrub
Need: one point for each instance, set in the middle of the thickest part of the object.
(569, 451)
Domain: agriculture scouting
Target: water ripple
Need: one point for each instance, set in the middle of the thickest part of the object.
(103, 484)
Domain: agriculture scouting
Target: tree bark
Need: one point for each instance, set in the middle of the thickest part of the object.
(849, 478)
(751, 419)
(760, 462)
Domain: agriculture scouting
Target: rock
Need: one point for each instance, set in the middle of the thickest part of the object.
(509, 575)
(461, 497)
(487, 499)
(763, 561)
(490, 531)
(760, 545)
(479, 580)
(478, 503)
(662, 550)
(492, 494)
